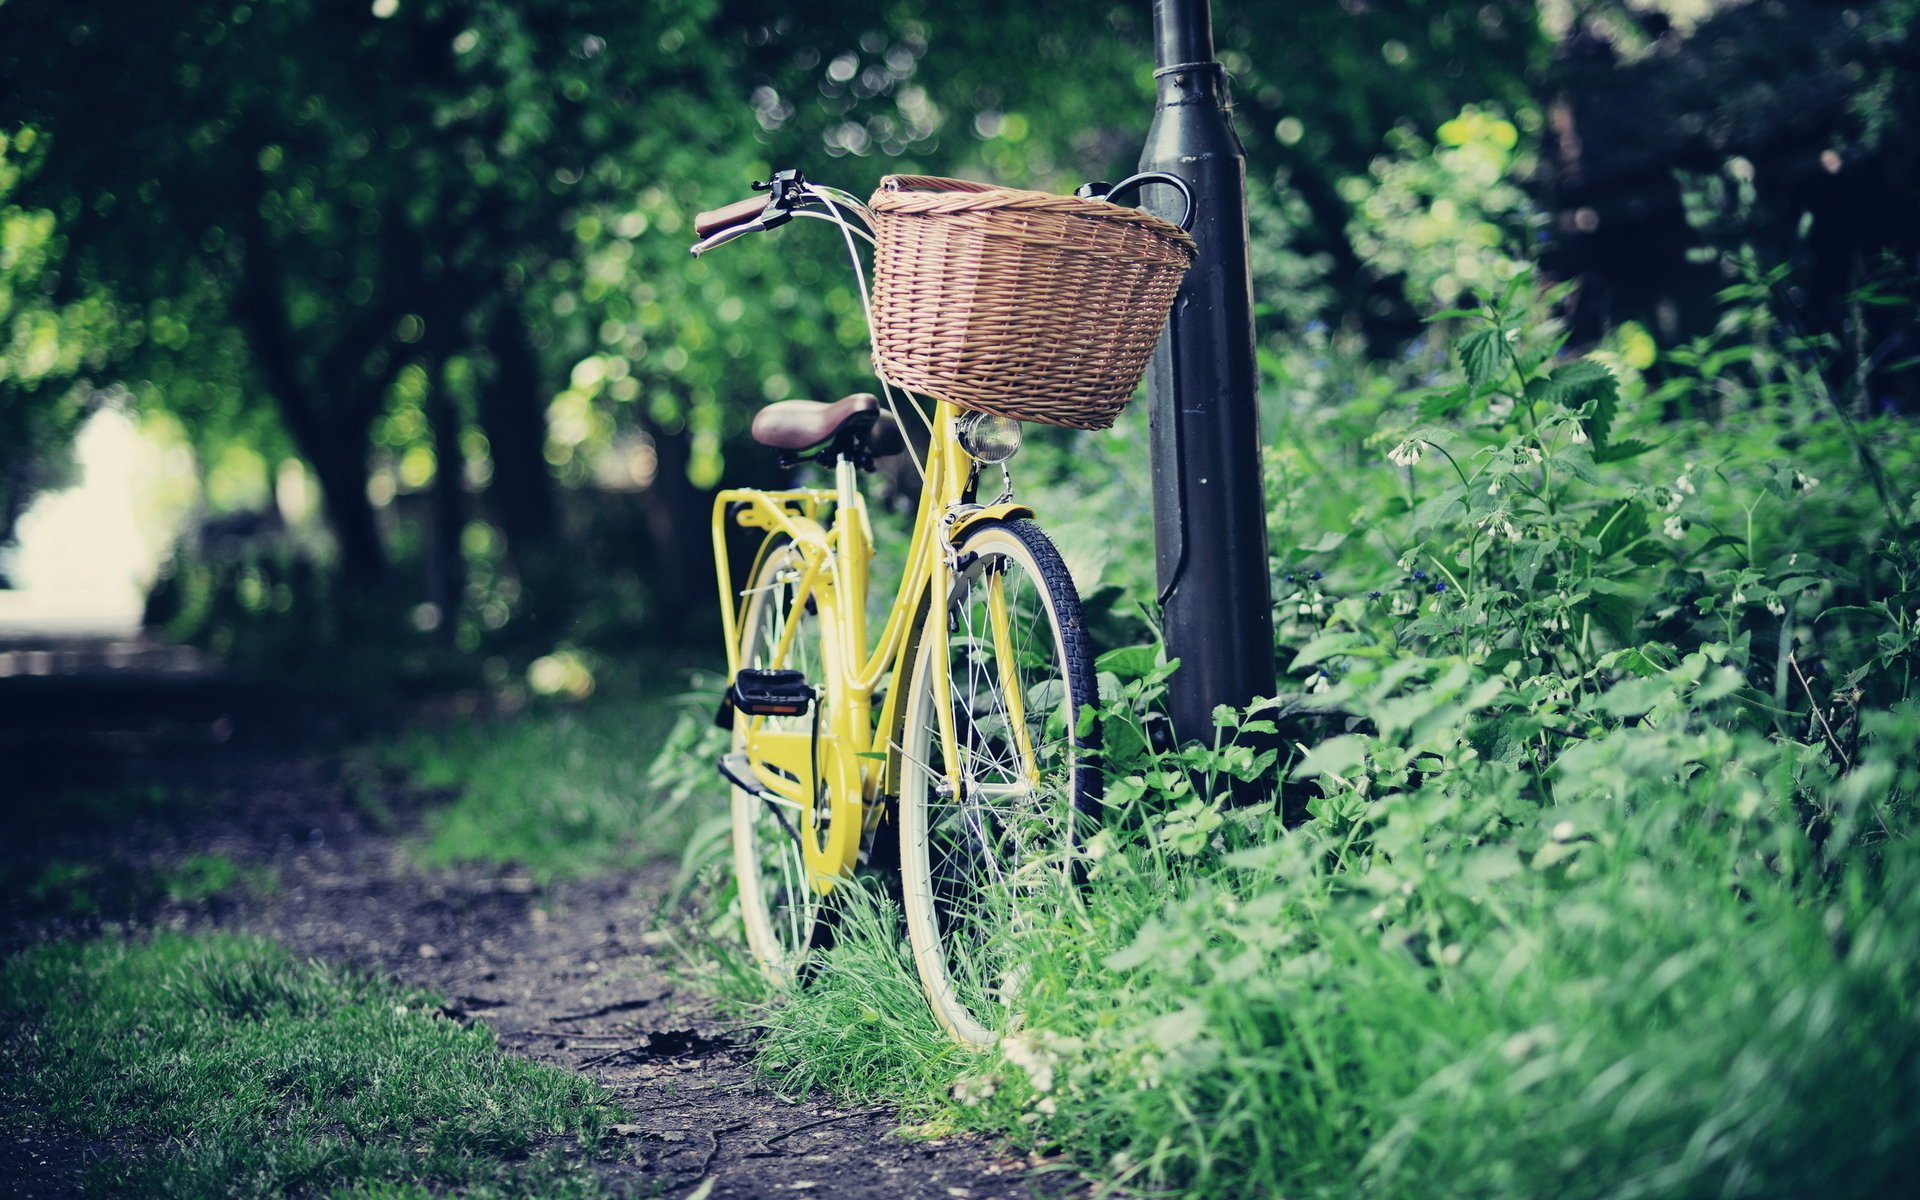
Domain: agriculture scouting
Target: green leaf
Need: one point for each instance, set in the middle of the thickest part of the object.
(1519, 280)
(1621, 451)
(1335, 756)
(1634, 661)
(1498, 660)
(1529, 359)
(1614, 614)
(1324, 647)
(1576, 461)
(1591, 382)
(1575, 383)
(1481, 354)
(1129, 662)
(1636, 696)
(1441, 402)
(1617, 527)
(1121, 742)
(1533, 556)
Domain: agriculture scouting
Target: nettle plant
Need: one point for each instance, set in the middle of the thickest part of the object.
(1555, 523)
(1514, 547)
(1553, 547)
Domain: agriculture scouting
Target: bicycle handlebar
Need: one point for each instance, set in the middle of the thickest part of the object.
(714, 220)
(787, 190)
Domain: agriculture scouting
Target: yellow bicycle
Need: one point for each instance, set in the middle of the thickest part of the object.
(961, 724)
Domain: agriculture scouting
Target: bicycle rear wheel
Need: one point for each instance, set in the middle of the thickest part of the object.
(986, 832)
(778, 903)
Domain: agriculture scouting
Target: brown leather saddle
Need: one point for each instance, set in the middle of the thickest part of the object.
(854, 428)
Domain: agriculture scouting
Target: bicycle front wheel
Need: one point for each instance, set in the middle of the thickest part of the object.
(996, 781)
(779, 905)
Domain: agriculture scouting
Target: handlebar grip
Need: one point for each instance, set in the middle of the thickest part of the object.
(714, 220)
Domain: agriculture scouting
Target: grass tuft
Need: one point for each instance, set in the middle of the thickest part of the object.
(564, 791)
(860, 1028)
(240, 1071)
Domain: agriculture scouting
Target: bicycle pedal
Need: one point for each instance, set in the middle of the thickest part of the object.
(771, 693)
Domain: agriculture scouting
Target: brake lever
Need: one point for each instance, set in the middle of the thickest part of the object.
(788, 191)
(726, 235)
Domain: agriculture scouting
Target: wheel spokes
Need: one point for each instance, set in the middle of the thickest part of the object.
(990, 846)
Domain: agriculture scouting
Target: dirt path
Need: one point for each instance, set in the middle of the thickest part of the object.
(569, 975)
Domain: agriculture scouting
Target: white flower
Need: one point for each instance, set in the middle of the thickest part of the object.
(1675, 527)
(1406, 453)
(1579, 434)
(1775, 607)
(1036, 1061)
(1685, 481)
(1532, 453)
(1493, 489)
(973, 1089)
(1739, 597)
(1499, 525)
(1804, 481)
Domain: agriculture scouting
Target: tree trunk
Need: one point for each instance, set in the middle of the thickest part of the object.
(339, 462)
(513, 414)
(677, 516)
(331, 437)
(520, 496)
(446, 562)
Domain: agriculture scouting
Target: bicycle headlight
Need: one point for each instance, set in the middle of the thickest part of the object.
(989, 439)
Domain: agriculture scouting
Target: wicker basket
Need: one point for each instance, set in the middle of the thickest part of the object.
(1024, 304)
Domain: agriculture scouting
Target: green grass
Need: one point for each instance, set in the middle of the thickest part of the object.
(203, 876)
(232, 1069)
(115, 889)
(566, 790)
(1679, 995)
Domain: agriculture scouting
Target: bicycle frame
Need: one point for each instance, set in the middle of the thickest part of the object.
(858, 750)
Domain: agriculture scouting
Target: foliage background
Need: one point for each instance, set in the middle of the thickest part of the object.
(1587, 338)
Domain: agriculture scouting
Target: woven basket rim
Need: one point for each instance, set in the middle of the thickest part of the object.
(938, 195)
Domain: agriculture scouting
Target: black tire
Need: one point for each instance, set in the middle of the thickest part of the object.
(974, 863)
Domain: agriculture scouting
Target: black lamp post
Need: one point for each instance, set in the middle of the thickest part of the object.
(1209, 513)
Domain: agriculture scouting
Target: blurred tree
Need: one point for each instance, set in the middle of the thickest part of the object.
(265, 217)
(40, 404)
(1776, 125)
(1052, 95)
(346, 188)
